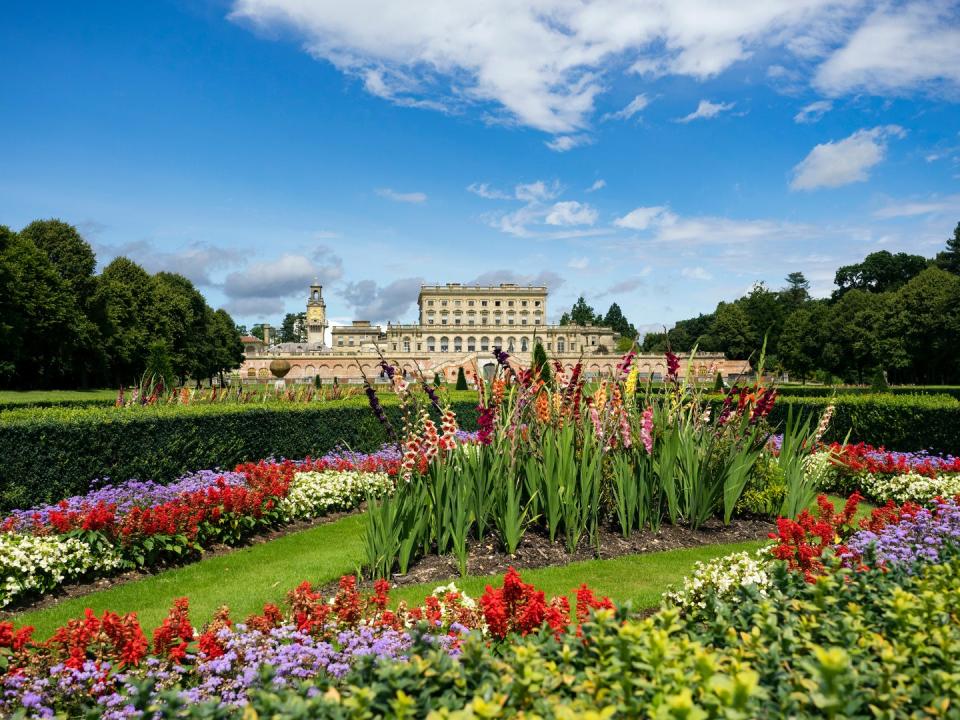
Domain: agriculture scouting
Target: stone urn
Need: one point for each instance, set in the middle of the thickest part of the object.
(279, 368)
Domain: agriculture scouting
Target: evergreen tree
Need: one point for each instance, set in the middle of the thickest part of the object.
(540, 363)
(437, 382)
(949, 259)
(879, 383)
(461, 379)
(797, 291)
(616, 320)
(718, 382)
(581, 314)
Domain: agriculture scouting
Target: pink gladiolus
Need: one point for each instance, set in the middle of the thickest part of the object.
(646, 430)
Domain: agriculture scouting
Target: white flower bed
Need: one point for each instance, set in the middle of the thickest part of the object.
(910, 487)
(38, 564)
(315, 493)
(724, 575)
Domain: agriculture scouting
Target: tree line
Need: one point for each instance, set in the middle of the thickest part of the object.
(891, 314)
(62, 325)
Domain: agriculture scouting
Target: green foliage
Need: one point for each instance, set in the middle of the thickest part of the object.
(718, 383)
(540, 362)
(949, 259)
(879, 272)
(879, 383)
(437, 380)
(461, 379)
(159, 368)
(55, 453)
(581, 314)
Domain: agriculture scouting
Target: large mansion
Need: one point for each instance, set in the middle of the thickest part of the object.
(459, 325)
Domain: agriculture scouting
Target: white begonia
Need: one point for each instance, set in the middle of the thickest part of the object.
(723, 575)
(911, 487)
(313, 494)
(41, 563)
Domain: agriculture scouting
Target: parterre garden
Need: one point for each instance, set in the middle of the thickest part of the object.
(830, 581)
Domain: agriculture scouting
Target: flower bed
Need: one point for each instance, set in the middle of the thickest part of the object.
(883, 642)
(100, 662)
(142, 524)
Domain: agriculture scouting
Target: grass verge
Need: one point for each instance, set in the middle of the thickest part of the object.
(641, 579)
(244, 579)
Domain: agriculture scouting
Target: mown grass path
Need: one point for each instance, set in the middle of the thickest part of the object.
(244, 579)
(641, 579)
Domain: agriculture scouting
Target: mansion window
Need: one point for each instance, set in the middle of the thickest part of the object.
(549, 346)
(443, 321)
(496, 303)
(444, 303)
(457, 303)
(484, 343)
(510, 303)
(523, 344)
(444, 344)
(419, 347)
(406, 345)
(431, 344)
(561, 345)
(536, 303)
(524, 303)
(458, 344)
(470, 303)
(430, 321)
(470, 322)
(510, 345)
(351, 342)
(498, 342)
(510, 321)
(471, 344)
(429, 302)
(523, 321)
(394, 347)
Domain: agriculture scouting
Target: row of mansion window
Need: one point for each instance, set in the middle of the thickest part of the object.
(471, 344)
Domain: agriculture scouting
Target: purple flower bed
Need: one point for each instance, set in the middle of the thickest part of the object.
(293, 656)
(919, 538)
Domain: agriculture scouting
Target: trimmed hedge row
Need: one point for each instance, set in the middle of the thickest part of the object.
(55, 453)
(828, 391)
(897, 422)
(65, 403)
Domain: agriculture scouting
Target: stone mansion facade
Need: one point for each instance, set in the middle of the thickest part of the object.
(458, 326)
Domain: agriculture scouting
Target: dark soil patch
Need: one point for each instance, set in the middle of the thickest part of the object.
(73, 590)
(536, 550)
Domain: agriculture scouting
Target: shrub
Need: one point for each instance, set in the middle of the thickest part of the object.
(879, 382)
(55, 453)
(461, 379)
(904, 422)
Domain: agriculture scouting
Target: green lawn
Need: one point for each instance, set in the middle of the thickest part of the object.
(26, 397)
(244, 579)
(641, 579)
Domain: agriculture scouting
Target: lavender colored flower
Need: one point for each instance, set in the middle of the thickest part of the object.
(920, 538)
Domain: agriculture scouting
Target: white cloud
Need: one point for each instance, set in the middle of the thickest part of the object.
(487, 192)
(695, 273)
(538, 191)
(580, 263)
(563, 143)
(543, 63)
(571, 212)
(846, 161)
(288, 275)
(813, 112)
(950, 204)
(633, 107)
(642, 217)
(597, 185)
(404, 197)
(371, 301)
(899, 48)
(705, 110)
(197, 261)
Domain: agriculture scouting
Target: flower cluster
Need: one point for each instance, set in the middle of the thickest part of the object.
(721, 577)
(802, 542)
(312, 494)
(918, 535)
(911, 486)
(103, 659)
(35, 564)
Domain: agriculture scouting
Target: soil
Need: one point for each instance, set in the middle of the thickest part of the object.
(536, 550)
(73, 590)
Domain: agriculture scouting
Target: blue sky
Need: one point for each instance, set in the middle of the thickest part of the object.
(661, 155)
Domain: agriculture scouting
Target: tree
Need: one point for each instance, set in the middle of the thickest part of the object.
(437, 382)
(949, 259)
(766, 312)
(732, 330)
(257, 331)
(461, 379)
(927, 323)
(182, 321)
(294, 328)
(541, 364)
(797, 348)
(879, 272)
(616, 320)
(228, 347)
(718, 382)
(797, 291)
(125, 313)
(159, 369)
(581, 314)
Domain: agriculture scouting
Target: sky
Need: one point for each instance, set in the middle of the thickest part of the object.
(662, 155)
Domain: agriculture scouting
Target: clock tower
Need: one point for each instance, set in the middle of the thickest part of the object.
(316, 315)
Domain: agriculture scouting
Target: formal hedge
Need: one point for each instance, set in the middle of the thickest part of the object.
(25, 403)
(897, 422)
(829, 391)
(55, 453)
